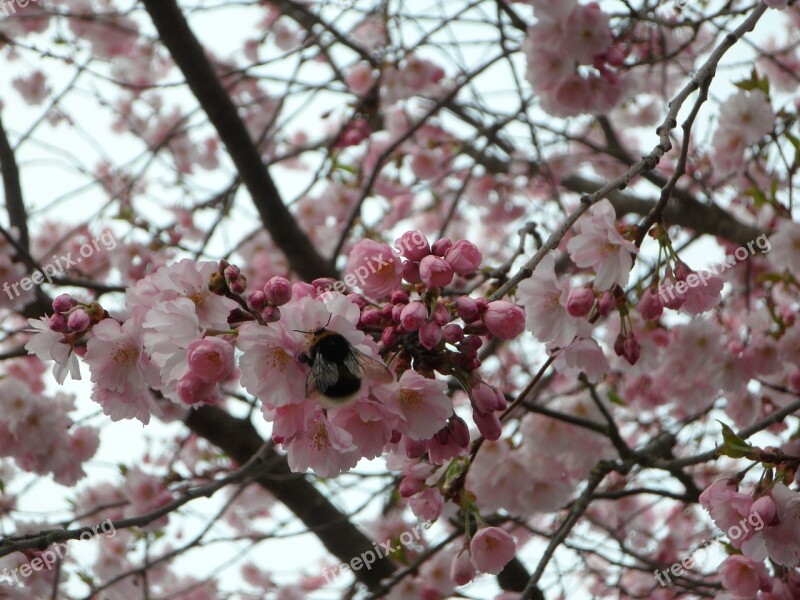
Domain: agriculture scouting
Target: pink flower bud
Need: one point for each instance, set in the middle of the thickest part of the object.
(615, 57)
(210, 359)
(430, 334)
(358, 300)
(649, 305)
(442, 436)
(413, 245)
(631, 348)
(472, 342)
(397, 310)
(271, 314)
(453, 333)
(321, 285)
(278, 291)
(794, 380)
(502, 403)
(58, 322)
(441, 315)
(488, 424)
(400, 297)
(301, 289)
(492, 549)
(467, 309)
(371, 317)
(388, 337)
(504, 320)
(440, 247)
(413, 316)
(410, 486)
(435, 271)
(78, 320)
(462, 571)
(459, 431)
(464, 257)
(682, 271)
(606, 303)
(64, 303)
(256, 300)
(484, 398)
(414, 448)
(376, 267)
(765, 507)
(411, 272)
(193, 390)
(580, 301)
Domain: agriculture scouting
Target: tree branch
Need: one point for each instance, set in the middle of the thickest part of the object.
(191, 59)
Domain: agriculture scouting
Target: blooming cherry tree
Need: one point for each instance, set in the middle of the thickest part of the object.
(492, 299)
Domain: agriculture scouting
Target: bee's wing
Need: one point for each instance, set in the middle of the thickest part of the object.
(323, 374)
(370, 368)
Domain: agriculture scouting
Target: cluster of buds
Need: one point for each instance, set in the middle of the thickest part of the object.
(74, 318)
(263, 304)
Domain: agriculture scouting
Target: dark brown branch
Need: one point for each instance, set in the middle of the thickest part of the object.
(13, 190)
(191, 59)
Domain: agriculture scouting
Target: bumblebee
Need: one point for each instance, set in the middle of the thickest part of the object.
(337, 368)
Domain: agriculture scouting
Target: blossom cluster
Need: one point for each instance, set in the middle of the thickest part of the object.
(572, 58)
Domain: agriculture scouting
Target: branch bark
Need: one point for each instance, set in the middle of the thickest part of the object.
(13, 190)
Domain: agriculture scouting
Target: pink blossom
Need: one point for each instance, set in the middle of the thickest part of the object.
(375, 266)
(492, 549)
(427, 505)
(600, 247)
(116, 357)
(462, 571)
(210, 359)
(743, 576)
(504, 320)
(748, 113)
(704, 294)
(586, 355)
(323, 447)
(420, 403)
(586, 28)
(544, 299)
(785, 244)
(359, 78)
(269, 364)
